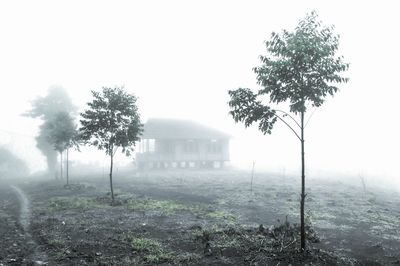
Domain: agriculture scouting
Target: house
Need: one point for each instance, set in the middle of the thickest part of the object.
(170, 143)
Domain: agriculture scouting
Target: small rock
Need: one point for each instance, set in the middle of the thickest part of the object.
(98, 253)
(39, 262)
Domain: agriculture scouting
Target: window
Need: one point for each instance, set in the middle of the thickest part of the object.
(191, 146)
(166, 147)
(151, 145)
(147, 145)
(214, 146)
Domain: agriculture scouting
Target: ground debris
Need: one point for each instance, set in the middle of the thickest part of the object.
(264, 246)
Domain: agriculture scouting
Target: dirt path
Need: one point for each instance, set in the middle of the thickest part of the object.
(25, 212)
(37, 257)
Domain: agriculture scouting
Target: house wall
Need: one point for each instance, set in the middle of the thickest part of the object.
(184, 152)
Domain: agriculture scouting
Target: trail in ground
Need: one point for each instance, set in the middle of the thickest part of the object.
(13, 244)
(17, 245)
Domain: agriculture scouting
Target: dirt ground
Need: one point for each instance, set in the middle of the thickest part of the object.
(197, 218)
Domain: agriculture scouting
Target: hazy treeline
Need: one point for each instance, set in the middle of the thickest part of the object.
(10, 165)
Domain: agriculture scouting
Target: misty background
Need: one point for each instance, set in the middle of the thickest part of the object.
(180, 58)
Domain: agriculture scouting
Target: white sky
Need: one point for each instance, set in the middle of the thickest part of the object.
(181, 57)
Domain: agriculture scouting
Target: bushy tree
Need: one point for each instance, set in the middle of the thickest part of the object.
(111, 122)
(61, 133)
(300, 69)
(10, 165)
(56, 100)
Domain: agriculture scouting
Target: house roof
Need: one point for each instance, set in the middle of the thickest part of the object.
(179, 129)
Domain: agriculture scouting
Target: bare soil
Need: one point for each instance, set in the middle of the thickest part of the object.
(198, 218)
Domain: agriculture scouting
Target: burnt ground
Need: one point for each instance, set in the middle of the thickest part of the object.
(198, 218)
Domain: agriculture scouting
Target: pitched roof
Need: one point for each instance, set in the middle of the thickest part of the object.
(179, 129)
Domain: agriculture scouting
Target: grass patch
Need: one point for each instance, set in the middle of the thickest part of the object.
(133, 203)
(145, 244)
(62, 203)
(169, 207)
(152, 249)
(55, 242)
(164, 206)
(217, 214)
(158, 258)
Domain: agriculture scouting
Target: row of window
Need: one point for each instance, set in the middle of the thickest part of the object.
(190, 146)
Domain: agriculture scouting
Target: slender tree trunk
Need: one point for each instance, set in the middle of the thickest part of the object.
(67, 168)
(61, 168)
(111, 169)
(252, 175)
(302, 229)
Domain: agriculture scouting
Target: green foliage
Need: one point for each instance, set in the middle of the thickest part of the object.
(169, 207)
(222, 215)
(145, 244)
(247, 109)
(56, 101)
(54, 242)
(164, 206)
(155, 253)
(111, 121)
(84, 203)
(61, 131)
(300, 68)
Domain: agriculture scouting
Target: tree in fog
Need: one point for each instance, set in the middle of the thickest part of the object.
(62, 134)
(45, 108)
(10, 165)
(299, 71)
(111, 122)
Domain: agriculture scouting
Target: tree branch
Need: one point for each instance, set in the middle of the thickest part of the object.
(297, 123)
(308, 120)
(115, 150)
(280, 118)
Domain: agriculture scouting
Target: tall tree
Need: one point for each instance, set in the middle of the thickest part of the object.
(300, 69)
(111, 122)
(61, 132)
(45, 107)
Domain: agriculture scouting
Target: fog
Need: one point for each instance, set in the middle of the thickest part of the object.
(180, 59)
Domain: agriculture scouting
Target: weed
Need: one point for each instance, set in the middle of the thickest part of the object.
(62, 203)
(169, 206)
(164, 206)
(54, 242)
(145, 244)
(158, 258)
(154, 252)
(308, 218)
(217, 214)
(187, 258)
